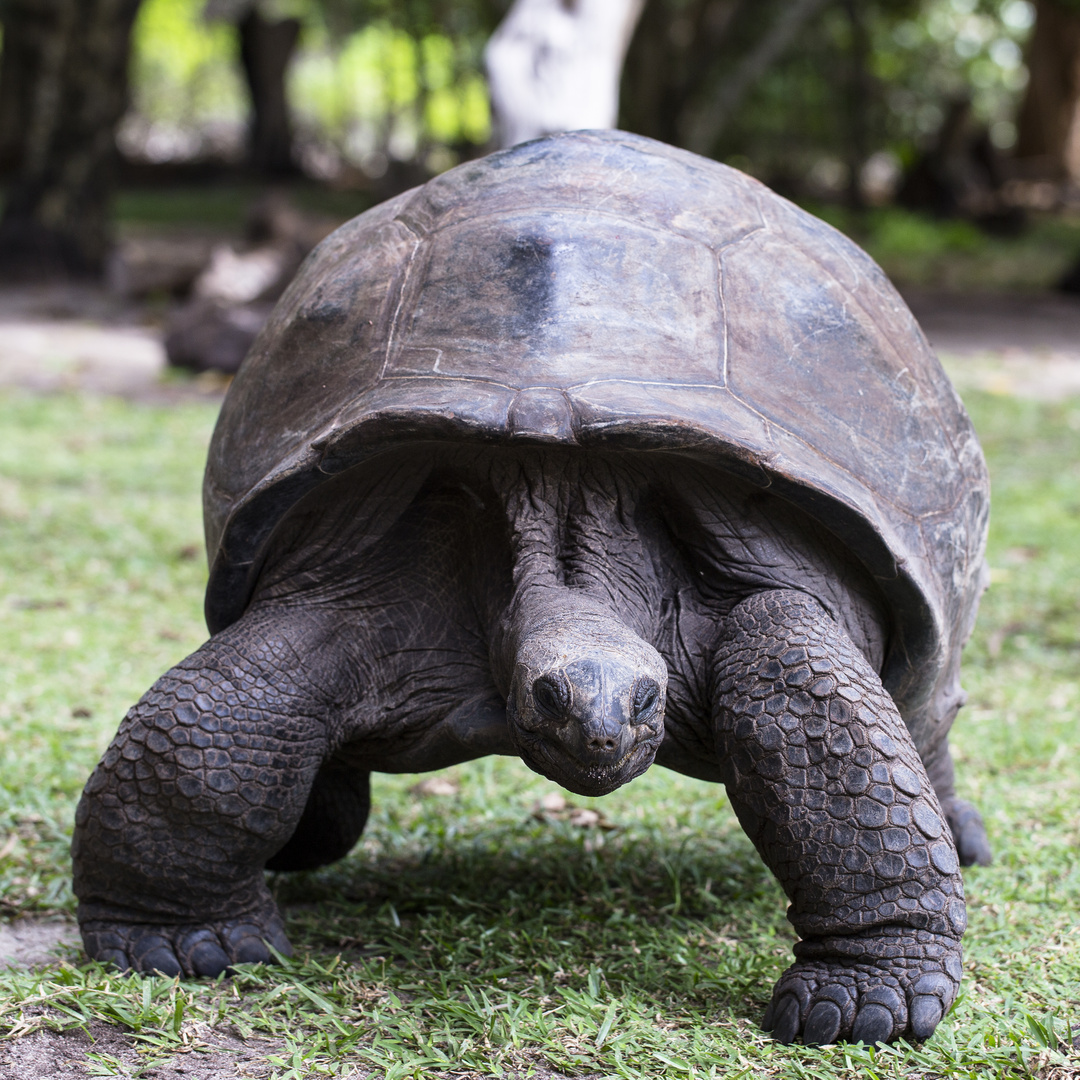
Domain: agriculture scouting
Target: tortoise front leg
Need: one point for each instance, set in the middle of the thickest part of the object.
(825, 780)
(205, 781)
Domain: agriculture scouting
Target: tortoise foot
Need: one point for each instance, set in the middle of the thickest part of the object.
(202, 950)
(902, 993)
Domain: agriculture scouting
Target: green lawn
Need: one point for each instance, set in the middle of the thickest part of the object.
(467, 934)
(224, 205)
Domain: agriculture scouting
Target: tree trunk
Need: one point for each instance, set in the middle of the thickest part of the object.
(75, 55)
(1048, 140)
(554, 65)
(265, 51)
(19, 63)
(671, 56)
(705, 126)
(860, 92)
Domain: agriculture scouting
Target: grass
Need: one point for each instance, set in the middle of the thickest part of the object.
(224, 206)
(919, 251)
(469, 934)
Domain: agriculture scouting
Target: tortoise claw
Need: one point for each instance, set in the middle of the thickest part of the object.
(154, 953)
(823, 1024)
(787, 1024)
(833, 1000)
(873, 1024)
(195, 951)
(924, 1016)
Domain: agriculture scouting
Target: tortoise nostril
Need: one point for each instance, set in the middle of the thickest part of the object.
(606, 745)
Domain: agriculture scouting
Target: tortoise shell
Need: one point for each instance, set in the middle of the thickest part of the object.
(599, 289)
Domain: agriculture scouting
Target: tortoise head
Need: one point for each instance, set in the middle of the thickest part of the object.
(586, 703)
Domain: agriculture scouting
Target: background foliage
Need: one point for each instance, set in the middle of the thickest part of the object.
(821, 108)
(371, 80)
(375, 80)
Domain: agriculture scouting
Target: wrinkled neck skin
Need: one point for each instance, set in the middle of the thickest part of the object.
(585, 690)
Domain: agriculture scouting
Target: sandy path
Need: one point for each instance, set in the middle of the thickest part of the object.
(1027, 346)
(80, 339)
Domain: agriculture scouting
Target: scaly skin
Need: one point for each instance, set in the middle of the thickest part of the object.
(828, 785)
(205, 781)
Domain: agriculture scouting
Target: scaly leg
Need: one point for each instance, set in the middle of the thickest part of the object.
(206, 780)
(332, 821)
(825, 780)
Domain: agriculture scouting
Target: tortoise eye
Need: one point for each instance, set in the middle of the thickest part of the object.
(646, 699)
(551, 697)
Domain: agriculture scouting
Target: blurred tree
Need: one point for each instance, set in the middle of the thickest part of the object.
(21, 56)
(822, 99)
(554, 66)
(1049, 119)
(962, 174)
(266, 47)
(389, 89)
(188, 97)
(69, 60)
(692, 62)
(399, 84)
(724, 91)
(859, 93)
(267, 39)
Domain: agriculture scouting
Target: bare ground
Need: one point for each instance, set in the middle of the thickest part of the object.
(104, 1050)
(27, 943)
(1027, 345)
(85, 340)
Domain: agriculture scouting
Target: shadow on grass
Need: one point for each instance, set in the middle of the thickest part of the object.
(681, 923)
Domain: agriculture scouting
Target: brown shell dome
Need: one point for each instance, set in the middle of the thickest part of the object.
(605, 290)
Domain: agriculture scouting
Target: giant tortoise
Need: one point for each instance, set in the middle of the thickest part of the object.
(597, 453)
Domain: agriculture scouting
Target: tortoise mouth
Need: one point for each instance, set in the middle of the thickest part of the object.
(590, 778)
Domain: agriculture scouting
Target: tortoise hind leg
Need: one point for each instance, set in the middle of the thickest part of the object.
(965, 821)
(332, 821)
(969, 833)
(827, 783)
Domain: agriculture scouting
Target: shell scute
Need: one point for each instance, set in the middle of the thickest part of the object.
(540, 285)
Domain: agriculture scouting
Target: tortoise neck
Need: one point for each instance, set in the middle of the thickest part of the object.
(576, 552)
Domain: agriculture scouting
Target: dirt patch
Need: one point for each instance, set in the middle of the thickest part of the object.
(79, 355)
(104, 1050)
(86, 340)
(1043, 376)
(979, 323)
(85, 357)
(28, 943)
(1018, 345)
